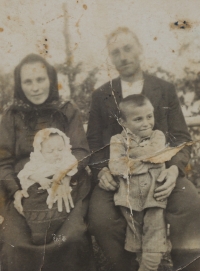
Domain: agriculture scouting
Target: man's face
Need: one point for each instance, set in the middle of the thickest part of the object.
(139, 119)
(125, 52)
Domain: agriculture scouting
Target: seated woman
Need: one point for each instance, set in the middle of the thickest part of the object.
(37, 106)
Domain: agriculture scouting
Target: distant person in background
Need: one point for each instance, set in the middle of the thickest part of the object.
(183, 208)
(191, 104)
(191, 110)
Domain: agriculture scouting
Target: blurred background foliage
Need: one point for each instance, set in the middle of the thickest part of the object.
(6, 90)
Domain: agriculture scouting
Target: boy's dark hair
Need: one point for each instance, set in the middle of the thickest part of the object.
(136, 100)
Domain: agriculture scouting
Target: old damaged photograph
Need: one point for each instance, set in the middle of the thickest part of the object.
(99, 135)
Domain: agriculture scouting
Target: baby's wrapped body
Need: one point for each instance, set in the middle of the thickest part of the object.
(51, 157)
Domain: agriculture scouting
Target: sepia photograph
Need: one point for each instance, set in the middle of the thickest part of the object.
(99, 135)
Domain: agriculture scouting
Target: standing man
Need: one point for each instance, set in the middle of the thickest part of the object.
(183, 209)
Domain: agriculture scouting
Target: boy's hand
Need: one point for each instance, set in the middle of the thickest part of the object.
(168, 175)
(106, 180)
(18, 200)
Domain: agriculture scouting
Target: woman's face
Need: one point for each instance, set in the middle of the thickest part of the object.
(35, 82)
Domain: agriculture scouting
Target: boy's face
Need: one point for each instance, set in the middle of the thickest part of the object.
(52, 149)
(139, 119)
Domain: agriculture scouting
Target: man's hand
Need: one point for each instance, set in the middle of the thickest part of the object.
(18, 200)
(106, 180)
(168, 176)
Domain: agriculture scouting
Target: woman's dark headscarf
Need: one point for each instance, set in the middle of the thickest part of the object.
(18, 92)
(29, 111)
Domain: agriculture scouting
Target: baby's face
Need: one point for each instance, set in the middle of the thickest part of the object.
(53, 149)
(139, 119)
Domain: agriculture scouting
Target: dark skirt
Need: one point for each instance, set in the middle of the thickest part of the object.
(70, 249)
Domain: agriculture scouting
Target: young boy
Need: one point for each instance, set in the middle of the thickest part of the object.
(52, 156)
(146, 230)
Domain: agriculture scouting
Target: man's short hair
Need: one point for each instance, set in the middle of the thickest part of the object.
(135, 100)
(121, 30)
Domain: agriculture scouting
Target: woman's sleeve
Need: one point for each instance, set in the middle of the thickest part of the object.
(29, 169)
(7, 153)
(77, 136)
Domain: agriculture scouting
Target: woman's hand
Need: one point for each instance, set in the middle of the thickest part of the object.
(18, 200)
(63, 193)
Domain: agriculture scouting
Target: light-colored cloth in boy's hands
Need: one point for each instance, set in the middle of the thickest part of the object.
(38, 163)
(127, 146)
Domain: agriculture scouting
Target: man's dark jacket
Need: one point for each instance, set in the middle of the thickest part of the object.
(103, 123)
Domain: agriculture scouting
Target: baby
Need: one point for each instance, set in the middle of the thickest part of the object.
(51, 157)
(146, 229)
